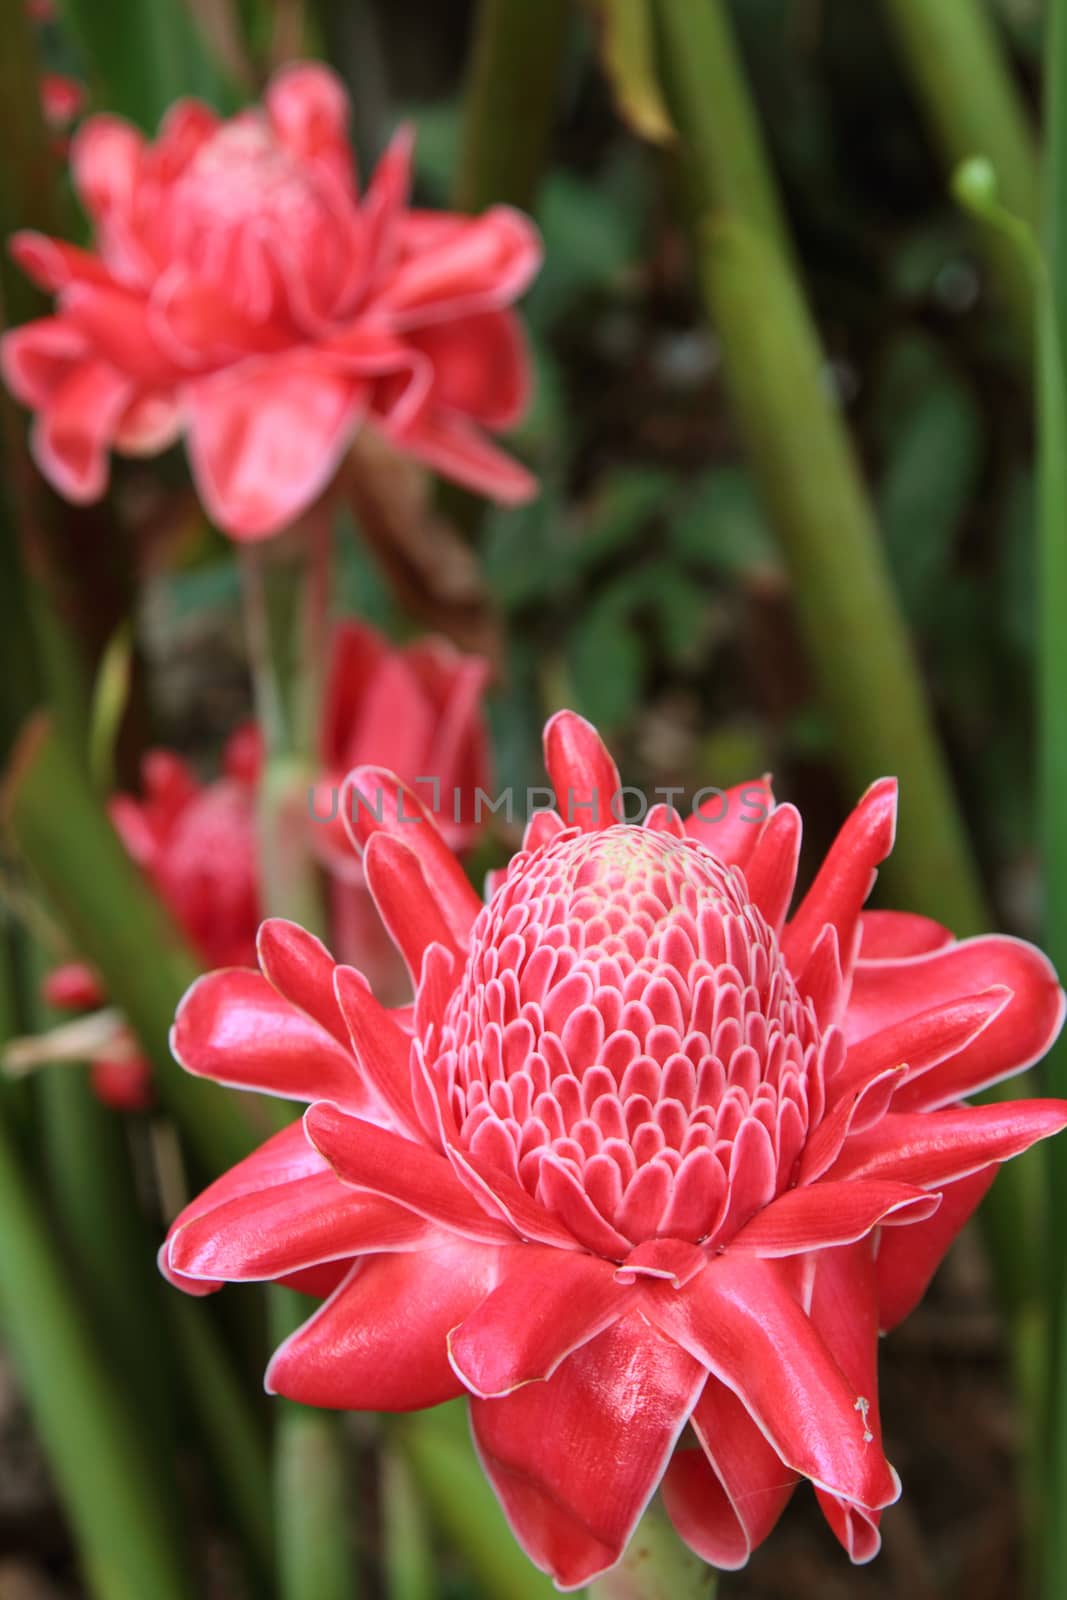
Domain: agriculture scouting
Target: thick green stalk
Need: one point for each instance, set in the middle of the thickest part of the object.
(973, 108)
(657, 1566)
(509, 101)
(116, 922)
(437, 1444)
(866, 670)
(98, 1444)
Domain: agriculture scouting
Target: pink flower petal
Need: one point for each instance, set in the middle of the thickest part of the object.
(584, 776)
(380, 1342)
(266, 438)
(575, 1460)
(456, 449)
(825, 1214)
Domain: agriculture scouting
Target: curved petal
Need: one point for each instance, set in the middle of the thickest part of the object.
(550, 1303)
(457, 449)
(825, 1214)
(481, 367)
(889, 935)
(771, 868)
(887, 992)
(105, 158)
(234, 1026)
(905, 1265)
(729, 822)
(273, 1232)
(265, 438)
(53, 264)
(70, 437)
(478, 264)
(37, 359)
(301, 968)
(286, 1158)
(380, 1342)
(847, 875)
(375, 801)
(575, 1460)
(381, 1047)
(930, 1148)
(584, 777)
(725, 1498)
(116, 324)
(308, 108)
(384, 1163)
(741, 1321)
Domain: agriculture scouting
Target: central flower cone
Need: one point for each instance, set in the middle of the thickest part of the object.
(648, 1157)
(626, 1021)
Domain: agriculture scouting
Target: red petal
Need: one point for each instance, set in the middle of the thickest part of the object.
(266, 438)
(285, 1229)
(481, 367)
(71, 435)
(886, 992)
(771, 869)
(376, 801)
(725, 1498)
(475, 265)
(116, 323)
(384, 1163)
(456, 449)
(235, 1027)
(888, 935)
(845, 878)
(741, 1321)
(308, 108)
(824, 1214)
(382, 1048)
(906, 1263)
(934, 1147)
(584, 776)
(38, 359)
(105, 158)
(550, 1303)
(380, 1342)
(729, 822)
(285, 1158)
(576, 1460)
(53, 264)
(405, 901)
(918, 1043)
(301, 968)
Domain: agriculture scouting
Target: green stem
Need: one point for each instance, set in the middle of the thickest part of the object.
(237, 1440)
(866, 670)
(98, 1444)
(437, 1445)
(116, 922)
(286, 604)
(956, 62)
(657, 1566)
(313, 1517)
(509, 101)
(407, 1554)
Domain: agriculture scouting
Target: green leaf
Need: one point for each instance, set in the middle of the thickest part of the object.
(721, 526)
(111, 694)
(142, 55)
(629, 52)
(606, 661)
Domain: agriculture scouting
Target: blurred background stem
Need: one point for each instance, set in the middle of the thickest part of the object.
(286, 594)
(958, 65)
(509, 101)
(1052, 703)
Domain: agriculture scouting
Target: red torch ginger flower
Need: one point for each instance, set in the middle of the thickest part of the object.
(647, 1151)
(197, 845)
(243, 294)
(417, 711)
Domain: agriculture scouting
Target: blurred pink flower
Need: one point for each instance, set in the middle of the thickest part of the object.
(647, 1152)
(243, 294)
(196, 843)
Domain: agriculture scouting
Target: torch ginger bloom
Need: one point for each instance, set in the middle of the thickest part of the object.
(196, 843)
(647, 1151)
(242, 293)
